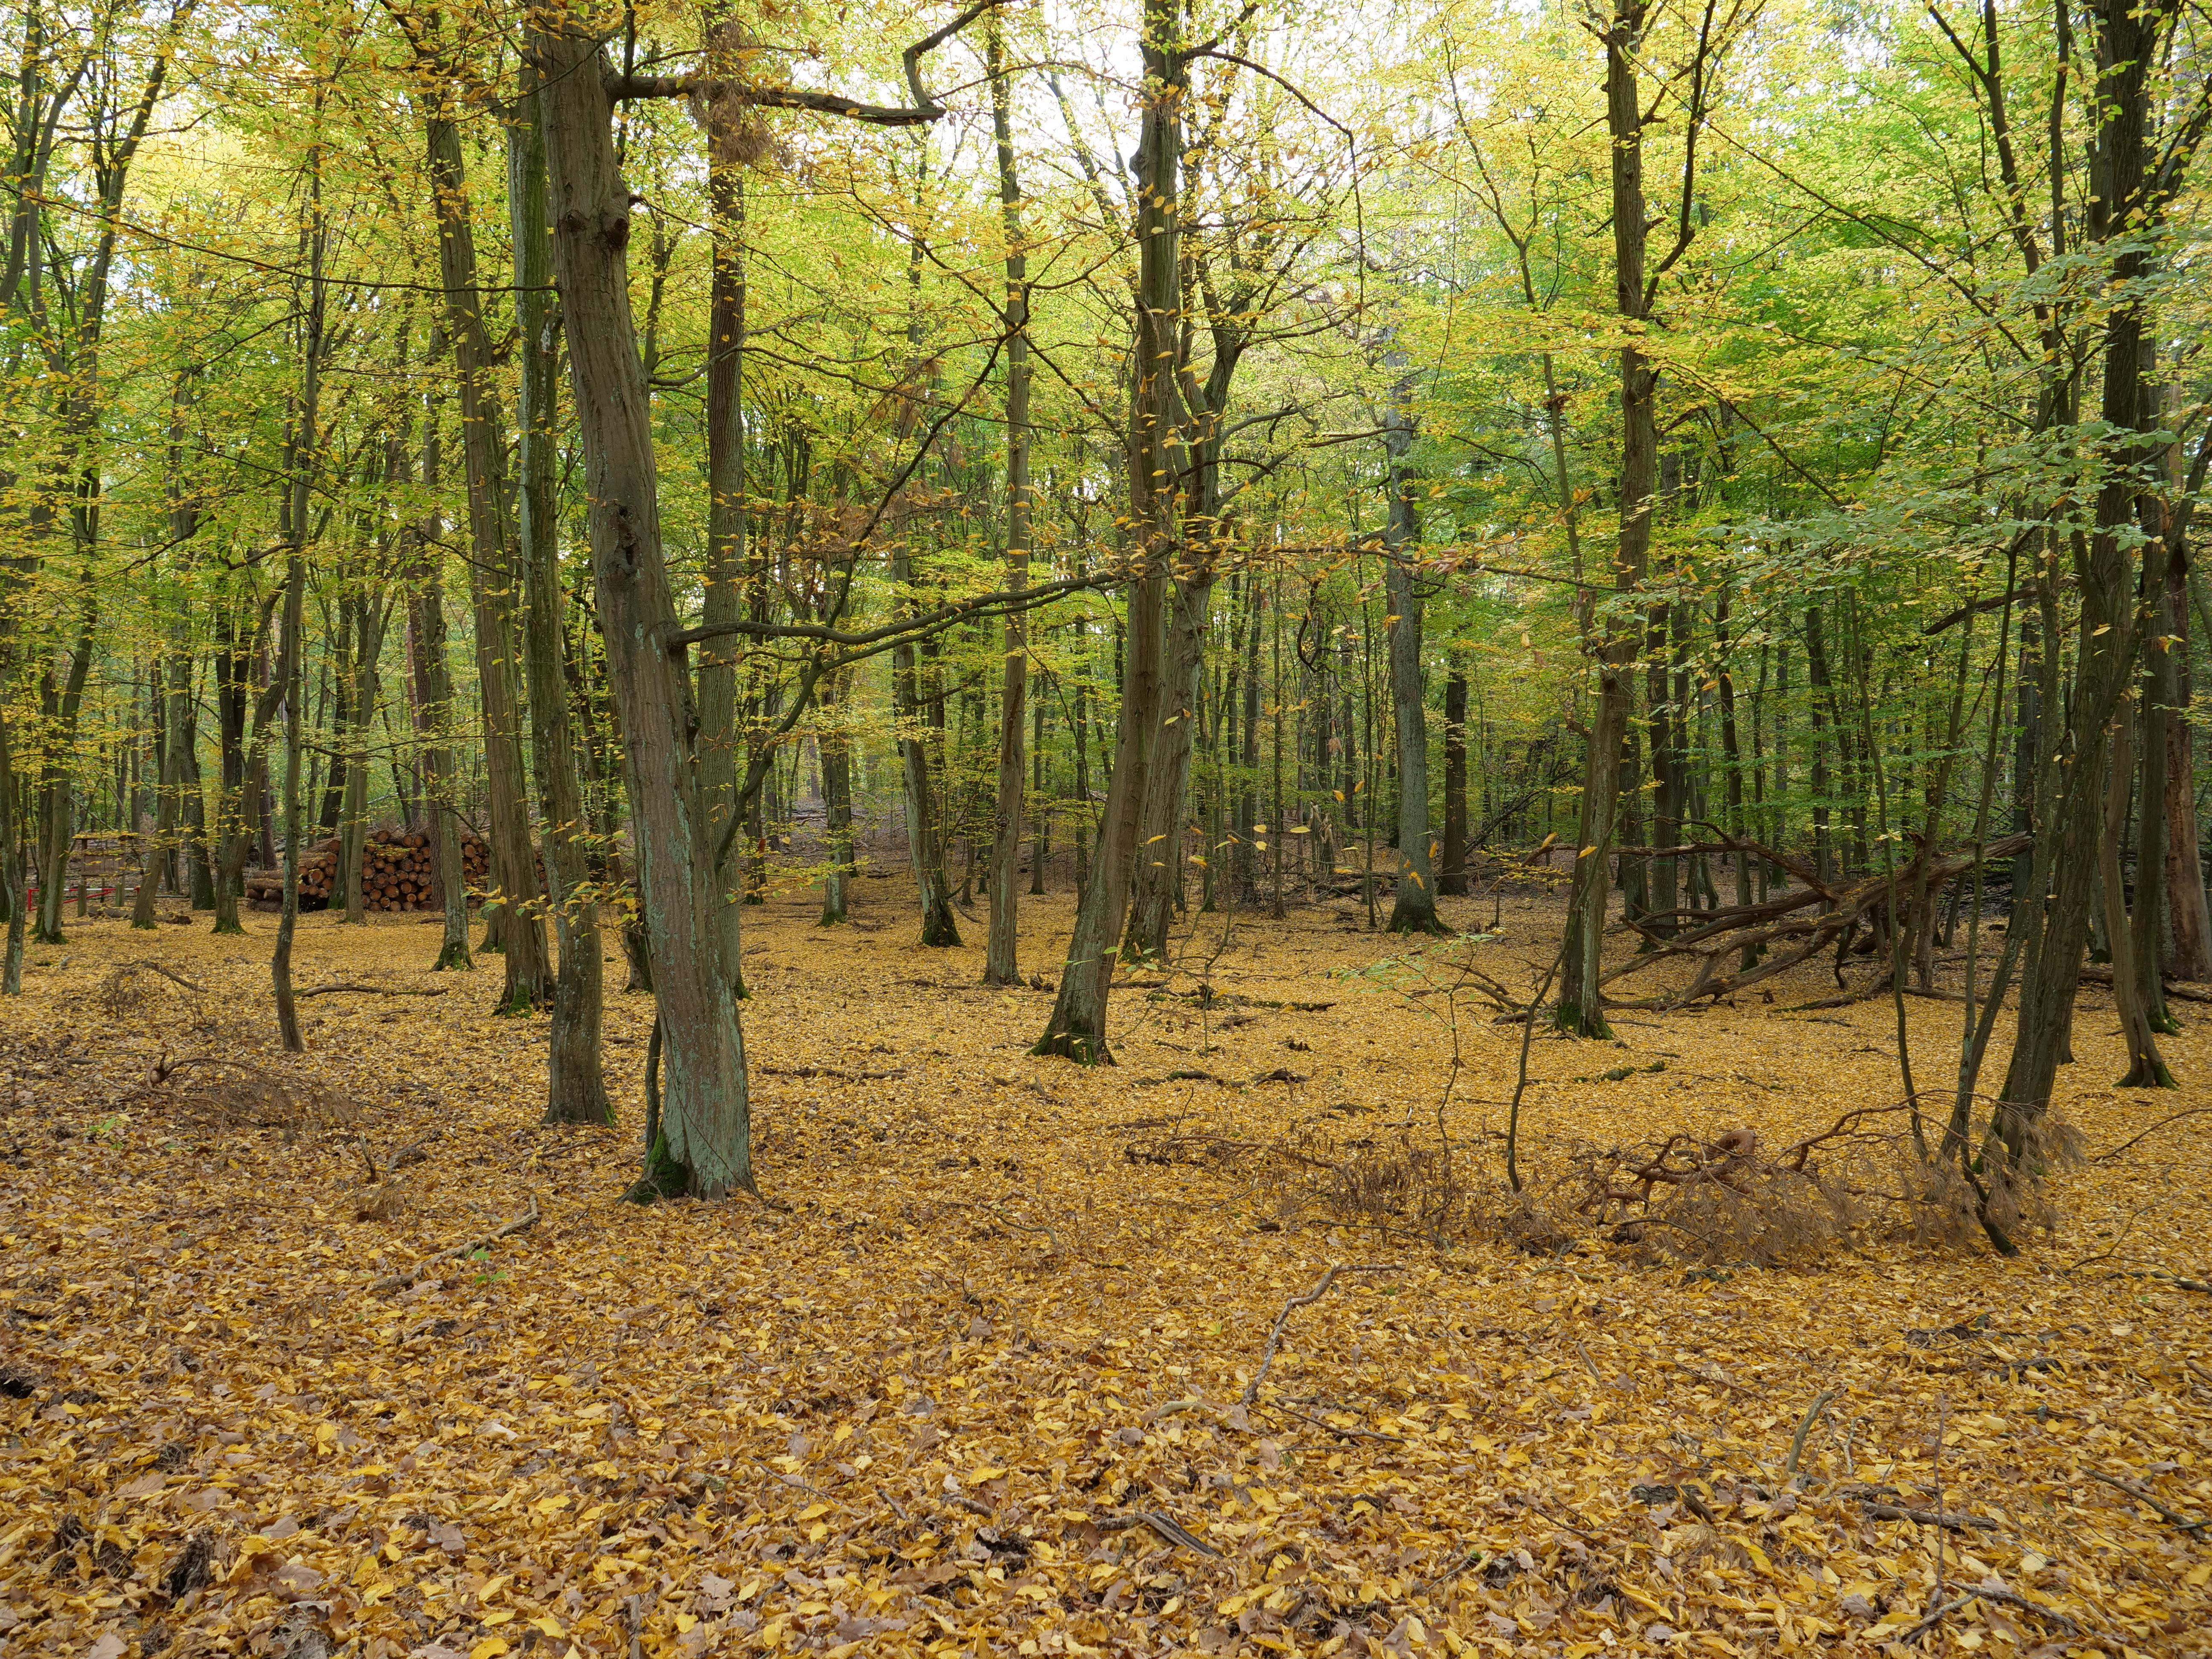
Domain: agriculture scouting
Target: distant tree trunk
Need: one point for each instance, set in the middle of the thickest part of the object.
(1816, 679)
(1413, 907)
(1000, 966)
(2188, 942)
(1451, 880)
(1041, 839)
(433, 696)
(836, 751)
(576, 1091)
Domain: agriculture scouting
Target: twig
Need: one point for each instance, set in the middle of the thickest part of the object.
(1275, 1336)
(1936, 1616)
(1936, 1472)
(401, 1281)
(2173, 1517)
(2105, 1157)
(1167, 1528)
(1805, 1427)
(1955, 1522)
(789, 1480)
(1986, 1593)
(1331, 1428)
(893, 1503)
(370, 991)
(829, 1070)
(174, 978)
(1478, 1553)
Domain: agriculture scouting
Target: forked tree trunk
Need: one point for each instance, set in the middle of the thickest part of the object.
(2105, 656)
(705, 1131)
(1076, 1029)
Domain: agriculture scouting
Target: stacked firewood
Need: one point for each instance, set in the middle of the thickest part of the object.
(396, 866)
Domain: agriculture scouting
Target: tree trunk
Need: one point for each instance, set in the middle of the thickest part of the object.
(2103, 570)
(705, 1130)
(1076, 1029)
(576, 1092)
(1451, 880)
(1000, 965)
(492, 582)
(1580, 1007)
(1413, 907)
(2188, 942)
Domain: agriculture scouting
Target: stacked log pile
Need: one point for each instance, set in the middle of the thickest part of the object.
(395, 872)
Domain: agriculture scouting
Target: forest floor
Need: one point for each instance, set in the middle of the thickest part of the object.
(975, 1381)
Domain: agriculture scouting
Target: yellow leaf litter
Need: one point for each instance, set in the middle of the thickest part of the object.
(975, 1382)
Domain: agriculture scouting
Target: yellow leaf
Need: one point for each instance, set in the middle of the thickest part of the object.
(548, 1626)
(812, 1511)
(490, 1648)
(977, 1479)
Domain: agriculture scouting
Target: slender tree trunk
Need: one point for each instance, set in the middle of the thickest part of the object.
(433, 702)
(493, 583)
(1413, 907)
(1076, 1028)
(2147, 1066)
(728, 585)
(1000, 966)
(576, 1092)
(2118, 217)
(1580, 1007)
(1451, 880)
(2188, 942)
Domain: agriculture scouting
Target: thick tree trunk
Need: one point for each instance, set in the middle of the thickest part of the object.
(576, 1092)
(1160, 836)
(705, 1130)
(2147, 1066)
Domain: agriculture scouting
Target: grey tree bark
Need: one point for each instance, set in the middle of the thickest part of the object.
(576, 1092)
(704, 1141)
(1000, 963)
(493, 582)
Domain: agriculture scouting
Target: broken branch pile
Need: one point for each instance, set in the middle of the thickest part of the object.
(1798, 923)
